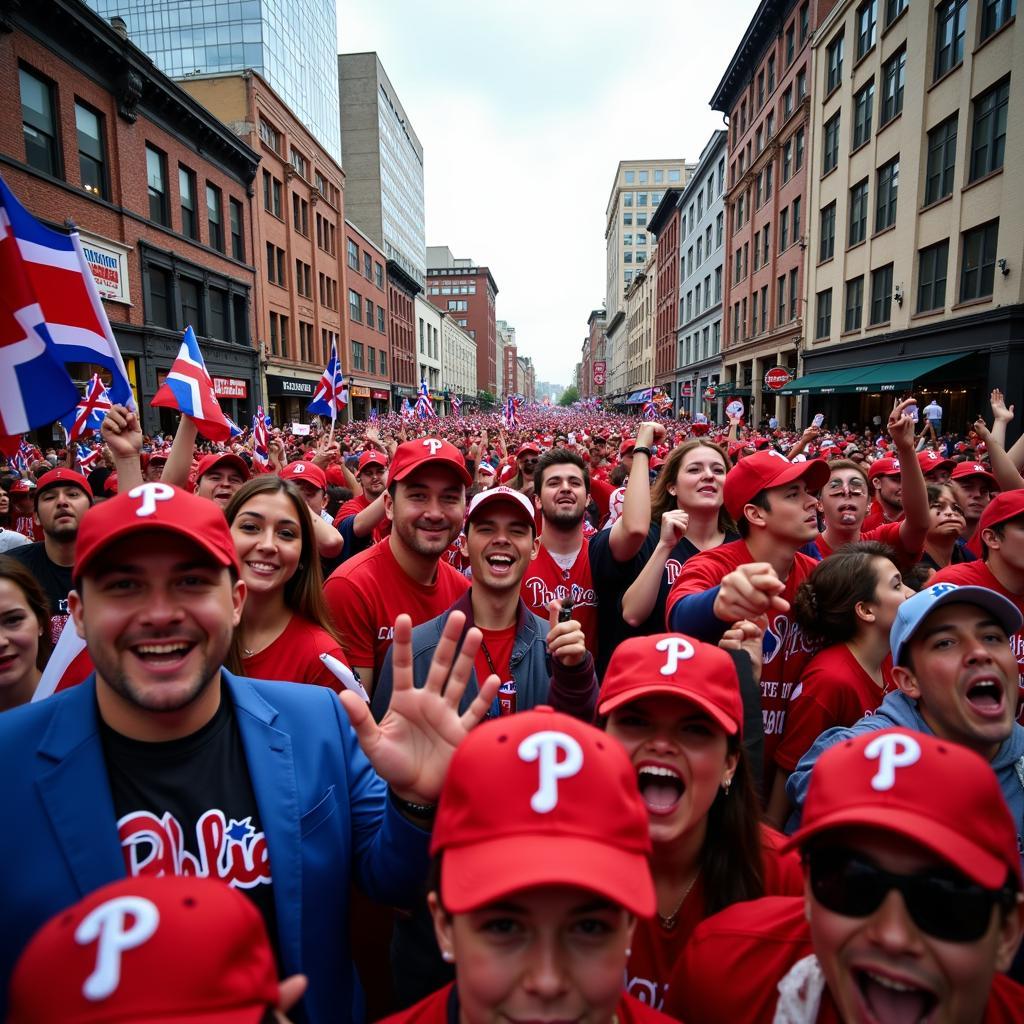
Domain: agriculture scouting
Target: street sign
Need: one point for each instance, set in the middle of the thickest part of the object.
(777, 378)
(710, 393)
(600, 368)
(687, 391)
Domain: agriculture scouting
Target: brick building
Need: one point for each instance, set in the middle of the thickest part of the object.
(402, 292)
(369, 350)
(664, 225)
(156, 184)
(593, 379)
(298, 221)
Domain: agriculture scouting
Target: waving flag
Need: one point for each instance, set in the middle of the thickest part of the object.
(188, 389)
(373, 415)
(19, 460)
(424, 409)
(90, 412)
(407, 413)
(456, 403)
(260, 441)
(508, 416)
(86, 457)
(331, 394)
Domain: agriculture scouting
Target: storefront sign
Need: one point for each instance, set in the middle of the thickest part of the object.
(383, 396)
(230, 387)
(600, 373)
(109, 265)
(687, 391)
(710, 393)
(777, 378)
(358, 391)
(300, 429)
(285, 387)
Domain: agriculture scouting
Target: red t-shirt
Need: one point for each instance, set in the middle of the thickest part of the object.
(785, 650)
(353, 507)
(876, 517)
(442, 1006)
(368, 592)
(495, 655)
(295, 656)
(735, 960)
(978, 574)
(657, 951)
(27, 527)
(833, 690)
(545, 581)
(887, 533)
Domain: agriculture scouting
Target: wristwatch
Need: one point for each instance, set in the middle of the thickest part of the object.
(424, 811)
(642, 448)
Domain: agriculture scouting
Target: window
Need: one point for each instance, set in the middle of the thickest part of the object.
(834, 57)
(784, 230)
(893, 9)
(643, 178)
(286, 344)
(627, 199)
(790, 43)
(718, 284)
(355, 306)
(881, 294)
(357, 355)
(156, 183)
(830, 145)
(977, 272)
(237, 231)
(804, 22)
(158, 306)
(275, 345)
(191, 305)
(641, 199)
(300, 163)
(798, 150)
(950, 28)
(380, 327)
(659, 177)
(787, 103)
(863, 107)
(271, 194)
(627, 257)
(827, 246)
(796, 219)
(641, 220)
(300, 215)
(38, 123)
(854, 304)
(270, 135)
(89, 129)
(771, 74)
(378, 275)
(627, 220)
(218, 301)
(674, 175)
(303, 279)
(867, 18)
(894, 74)
(823, 324)
(214, 217)
(371, 363)
(858, 212)
(266, 190)
(766, 244)
(187, 195)
(793, 293)
(780, 298)
(630, 177)
(988, 139)
(931, 277)
(941, 161)
(995, 14)
(353, 254)
(885, 200)
(787, 160)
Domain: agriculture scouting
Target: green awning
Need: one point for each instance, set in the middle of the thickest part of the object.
(729, 388)
(880, 378)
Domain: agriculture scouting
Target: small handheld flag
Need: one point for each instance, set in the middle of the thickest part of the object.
(331, 394)
(90, 412)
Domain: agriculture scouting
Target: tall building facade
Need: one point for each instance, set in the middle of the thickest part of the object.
(508, 353)
(467, 293)
(698, 336)
(593, 379)
(636, 192)
(458, 361)
(292, 44)
(383, 163)
(428, 340)
(367, 356)
(402, 292)
(641, 302)
(915, 212)
(664, 226)
(527, 378)
(298, 222)
(765, 92)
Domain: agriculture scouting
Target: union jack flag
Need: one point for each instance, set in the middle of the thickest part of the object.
(260, 439)
(407, 413)
(86, 457)
(424, 410)
(19, 460)
(456, 403)
(331, 393)
(373, 415)
(90, 412)
(189, 389)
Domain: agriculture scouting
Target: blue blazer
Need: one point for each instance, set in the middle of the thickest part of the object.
(324, 810)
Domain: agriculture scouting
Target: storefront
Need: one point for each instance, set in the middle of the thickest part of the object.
(288, 398)
(359, 401)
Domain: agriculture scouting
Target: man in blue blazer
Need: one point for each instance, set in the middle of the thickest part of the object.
(164, 763)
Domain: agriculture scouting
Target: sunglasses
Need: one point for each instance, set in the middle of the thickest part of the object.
(944, 904)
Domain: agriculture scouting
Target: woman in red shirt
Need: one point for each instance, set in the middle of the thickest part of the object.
(846, 608)
(675, 704)
(285, 623)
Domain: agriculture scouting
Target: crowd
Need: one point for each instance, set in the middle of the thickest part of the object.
(579, 717)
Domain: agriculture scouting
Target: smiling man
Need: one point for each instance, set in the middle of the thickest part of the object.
(912, 902)
(219, 475)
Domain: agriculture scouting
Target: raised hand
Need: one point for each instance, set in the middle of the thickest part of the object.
(674, 524)
(121, 432)
(999, 409)
(567, 643)
(901, 426)
(747, 635)
(650, 433)
(411, 747)
(748, 592)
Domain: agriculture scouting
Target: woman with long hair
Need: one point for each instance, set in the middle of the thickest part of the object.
(285, 625)
(674, 703)
(687, 516)
(846, 608)
(24, 633)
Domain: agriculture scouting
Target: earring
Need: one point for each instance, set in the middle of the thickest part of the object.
(727, 785)
(629, 952)
(447, 956)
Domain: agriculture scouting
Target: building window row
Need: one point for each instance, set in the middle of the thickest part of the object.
(372, 269)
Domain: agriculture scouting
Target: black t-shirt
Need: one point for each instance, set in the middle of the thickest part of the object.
(187, 807)
(54, 579)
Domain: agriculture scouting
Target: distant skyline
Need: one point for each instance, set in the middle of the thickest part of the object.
(524, 117)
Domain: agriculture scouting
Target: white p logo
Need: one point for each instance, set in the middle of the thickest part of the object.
(777, 454)
(433, 444)
(678, 649)
(544, 747)
(893, 750)
(298, 469)
(150, 495)
(108, 923)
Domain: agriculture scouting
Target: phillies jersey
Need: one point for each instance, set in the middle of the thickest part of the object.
(545, 581)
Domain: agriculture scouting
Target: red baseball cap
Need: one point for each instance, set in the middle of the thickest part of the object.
(969, 469)
(1002, 507)
(309, 472)
(931, 461)
(627, 446)
(526, 448)
(676, 666)
(207, 462)
(371, 457)
(427, 451)
(933, 792)
(62, 475)
(762, 470)
(181, 950)
(154, 506)
(486, 468)
(335, 476)
(884, 467)
(23, 486)
(509, 497)
(569, 814)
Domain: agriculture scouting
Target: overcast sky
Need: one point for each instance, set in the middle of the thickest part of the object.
(524, 111)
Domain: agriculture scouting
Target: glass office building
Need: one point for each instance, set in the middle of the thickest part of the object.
(291, 43)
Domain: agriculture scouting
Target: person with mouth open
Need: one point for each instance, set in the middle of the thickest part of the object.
(674, 704)
(912, 905)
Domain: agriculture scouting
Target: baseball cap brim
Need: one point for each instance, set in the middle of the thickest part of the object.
(228, 458)
(813, 472)
(493, 496)
(474, 875)
(952, 845)
(957, 477)
(1005, 612)
(458, 469)
(641, 690)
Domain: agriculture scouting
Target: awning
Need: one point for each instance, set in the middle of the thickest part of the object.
(878, 379)
(638, 396)
(729, 388)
